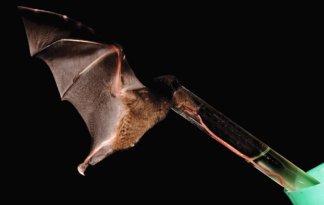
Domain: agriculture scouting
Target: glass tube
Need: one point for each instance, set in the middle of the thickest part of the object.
(240, 141)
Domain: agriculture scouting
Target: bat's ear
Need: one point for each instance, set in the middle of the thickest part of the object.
(169, 80)
(164, 86)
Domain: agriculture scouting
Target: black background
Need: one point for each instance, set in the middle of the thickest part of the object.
(258, 64)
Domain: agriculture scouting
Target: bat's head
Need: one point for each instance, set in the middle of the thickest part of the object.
(182, 100)
(164, 86)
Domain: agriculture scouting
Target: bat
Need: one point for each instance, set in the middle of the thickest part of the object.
(95, 77)
(118, 109)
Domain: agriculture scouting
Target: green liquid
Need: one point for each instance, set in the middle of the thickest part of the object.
(284, 172)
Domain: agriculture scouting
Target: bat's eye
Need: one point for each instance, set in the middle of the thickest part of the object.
(175, 84)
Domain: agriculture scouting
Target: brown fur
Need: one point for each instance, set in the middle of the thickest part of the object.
(144, 110)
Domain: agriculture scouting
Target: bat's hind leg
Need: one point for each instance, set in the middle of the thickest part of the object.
(94, 157)
(116, 84)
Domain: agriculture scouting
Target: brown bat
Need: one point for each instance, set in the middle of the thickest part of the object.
(96, 78)
(118, 109)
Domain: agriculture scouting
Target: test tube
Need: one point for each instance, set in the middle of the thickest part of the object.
(240, 141)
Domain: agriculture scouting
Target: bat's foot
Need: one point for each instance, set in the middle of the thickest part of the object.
(94, 157)
(82, 167)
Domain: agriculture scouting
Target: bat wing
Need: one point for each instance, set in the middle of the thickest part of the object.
(85, 72)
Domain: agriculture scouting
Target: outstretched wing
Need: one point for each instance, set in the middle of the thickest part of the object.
(85, 72)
